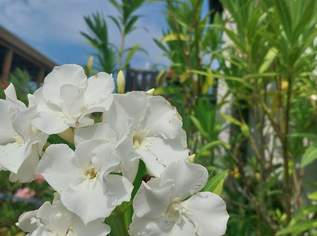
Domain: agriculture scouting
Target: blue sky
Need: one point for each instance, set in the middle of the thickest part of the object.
(53, 27)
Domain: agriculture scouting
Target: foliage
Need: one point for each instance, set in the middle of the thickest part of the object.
(109, 56)
(99, 40)
(264, 52)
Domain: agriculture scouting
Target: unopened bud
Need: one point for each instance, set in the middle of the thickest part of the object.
(90, 63)
(121, 82)
(151, 91)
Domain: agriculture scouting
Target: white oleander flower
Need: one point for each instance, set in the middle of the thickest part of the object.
(142, 127)
(172, 205)
(114, 132)
(20, 143)
(67, 98)
(55, 220)
(84, 178)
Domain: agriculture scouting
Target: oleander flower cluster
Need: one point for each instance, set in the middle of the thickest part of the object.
(123, 156)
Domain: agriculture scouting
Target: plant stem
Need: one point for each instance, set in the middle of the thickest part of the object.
(286, 151)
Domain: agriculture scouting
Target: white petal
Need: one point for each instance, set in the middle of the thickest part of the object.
(94, 228)
(97, 131)
(72, 98)
(119, 118)
(153, 165)
(6, 129)
(185, 227)
(118, 189)
(162, 119)
(130, 169)
(106, 158)
(61, 75)
(58, 167)
(98, 154)
(152, 202)
(12, 155)
(10, 92)
(134, 104)
(87, 200)
(50, 122)
(188, 178)
(27, 171)
(151, 227)
(11, 97)
(99, 90)
(23, 125)
(157, 154)
(208, 212)
(25, 221)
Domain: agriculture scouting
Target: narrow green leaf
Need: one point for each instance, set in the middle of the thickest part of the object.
(298, 228)
(309, 156)
(231, 120)
(116, 22)
(198, 125)
(138, 179)
(268, 60)
(215, 183)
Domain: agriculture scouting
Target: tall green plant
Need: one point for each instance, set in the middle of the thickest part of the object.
(265, 53)
(191, 44)
(98, 38)
(109, 56)
(270, 51)
(125, 22)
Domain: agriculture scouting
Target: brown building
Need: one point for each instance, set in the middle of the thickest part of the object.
(15, 53)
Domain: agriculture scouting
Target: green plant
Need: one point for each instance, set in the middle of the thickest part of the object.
(265, 53)
(270, 51)
(109, 56)
(125, 22)
(99, 40)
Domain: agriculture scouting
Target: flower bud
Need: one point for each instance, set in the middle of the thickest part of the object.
(90, 63)
(120, 82)
(151, 91)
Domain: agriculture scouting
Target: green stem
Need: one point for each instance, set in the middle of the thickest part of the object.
(118, 225)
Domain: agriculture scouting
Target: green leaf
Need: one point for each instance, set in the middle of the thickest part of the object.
(198, 125)
(298, 228)
(215, 183)
(120, 219)
(55, 139)
(211, 145)
(138, 179)
(231, 120)
(309, 156)
(313, 196)
(245, 130)
(268, 60)
(116, 22)
(284, 15)
(129, 26)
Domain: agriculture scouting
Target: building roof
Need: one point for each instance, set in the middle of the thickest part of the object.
(21, 48)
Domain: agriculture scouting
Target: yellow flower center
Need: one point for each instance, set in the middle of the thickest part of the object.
(174, 210)
(19, 139)
(137, 140)
(91, 173)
